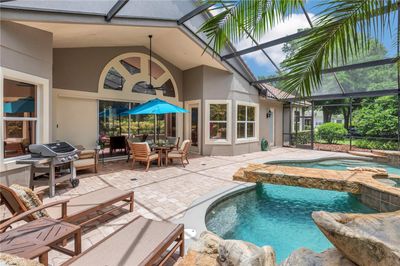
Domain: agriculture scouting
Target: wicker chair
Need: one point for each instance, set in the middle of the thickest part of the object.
(141, 152)
(181, 154)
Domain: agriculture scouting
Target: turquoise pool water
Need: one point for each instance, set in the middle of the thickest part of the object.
(343, 164)
(279, 216)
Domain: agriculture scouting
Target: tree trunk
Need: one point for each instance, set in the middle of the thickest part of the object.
(327, 115)
(346, 116)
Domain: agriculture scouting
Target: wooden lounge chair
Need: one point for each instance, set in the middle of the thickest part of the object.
(141, 152)
(75, 209)
(140, 242)
(181, 154)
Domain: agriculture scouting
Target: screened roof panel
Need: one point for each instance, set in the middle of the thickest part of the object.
(75, 6)
(367, 79)
(163, 9)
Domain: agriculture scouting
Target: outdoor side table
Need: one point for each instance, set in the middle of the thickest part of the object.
(161, 150)
(36, 238)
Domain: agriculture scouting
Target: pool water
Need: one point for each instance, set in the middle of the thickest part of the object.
(342, 164)
(279, 216)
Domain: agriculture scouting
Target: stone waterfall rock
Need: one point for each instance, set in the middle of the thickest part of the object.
(307, 257)
(211, 250)
(241, 253)
(365, 239)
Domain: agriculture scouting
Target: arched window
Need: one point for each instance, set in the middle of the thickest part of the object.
(130, 73)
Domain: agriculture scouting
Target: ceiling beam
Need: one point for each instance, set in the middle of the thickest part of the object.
(114, 10)
(373, 63)
(194, 13)
(354, 95)
(267, 44)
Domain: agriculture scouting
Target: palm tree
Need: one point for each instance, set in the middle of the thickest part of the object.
(342, 29)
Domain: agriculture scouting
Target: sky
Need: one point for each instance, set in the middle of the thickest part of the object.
(259, 63)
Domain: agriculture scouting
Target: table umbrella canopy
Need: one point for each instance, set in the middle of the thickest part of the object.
(155, 107)
(25, 105)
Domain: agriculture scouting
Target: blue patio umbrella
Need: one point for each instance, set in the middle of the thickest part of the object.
(155, 107)
(24, 105)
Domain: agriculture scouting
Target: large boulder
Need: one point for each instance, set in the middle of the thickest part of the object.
(241, 253)
(207, 243)
(365, 239)
(307, 257)
(210, 250)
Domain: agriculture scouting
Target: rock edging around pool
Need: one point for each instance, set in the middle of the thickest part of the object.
(372, 193)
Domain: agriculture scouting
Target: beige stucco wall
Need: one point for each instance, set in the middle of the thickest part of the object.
(206, 83)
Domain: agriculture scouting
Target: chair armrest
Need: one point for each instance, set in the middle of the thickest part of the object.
(24, 214)
(40, 195)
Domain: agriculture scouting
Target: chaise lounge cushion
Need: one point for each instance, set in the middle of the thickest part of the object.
(87, 202)
(137, 243)
(30, 200)
(81, 163)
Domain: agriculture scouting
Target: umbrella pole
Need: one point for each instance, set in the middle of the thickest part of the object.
(155, 129)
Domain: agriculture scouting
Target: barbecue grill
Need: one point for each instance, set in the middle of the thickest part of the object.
(55, 160)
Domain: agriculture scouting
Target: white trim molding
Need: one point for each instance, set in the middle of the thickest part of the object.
(256, 122)
(43, 106)
(207, 139)
(187, 121)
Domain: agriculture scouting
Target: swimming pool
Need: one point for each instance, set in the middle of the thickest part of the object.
(279, 216)
(342, 164)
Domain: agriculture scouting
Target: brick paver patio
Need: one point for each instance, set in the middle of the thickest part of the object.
(165, 193)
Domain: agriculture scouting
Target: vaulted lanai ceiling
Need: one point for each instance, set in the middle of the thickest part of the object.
(172, 44)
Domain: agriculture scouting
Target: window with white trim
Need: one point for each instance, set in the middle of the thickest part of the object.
(218, 122)
(246, 121)
(19, 118)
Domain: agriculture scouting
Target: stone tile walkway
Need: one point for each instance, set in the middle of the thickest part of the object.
(166, 193)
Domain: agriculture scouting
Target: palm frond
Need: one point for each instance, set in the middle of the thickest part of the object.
(343, 30)
(234, 18)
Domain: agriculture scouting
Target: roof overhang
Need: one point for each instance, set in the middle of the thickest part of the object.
(73, 30)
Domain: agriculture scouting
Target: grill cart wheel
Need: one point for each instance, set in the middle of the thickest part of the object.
(75, 183)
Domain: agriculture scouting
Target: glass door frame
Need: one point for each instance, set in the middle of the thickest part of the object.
(188, 123)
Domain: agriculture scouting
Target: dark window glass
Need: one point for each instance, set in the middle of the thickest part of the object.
(18, 136)
(168, 89)
(132, 64)
(156, 70)
(217, 130)
(218, 112)
(143, 87)
(19, 99)
(114, 80)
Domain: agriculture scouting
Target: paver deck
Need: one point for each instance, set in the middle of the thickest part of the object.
(166, 193)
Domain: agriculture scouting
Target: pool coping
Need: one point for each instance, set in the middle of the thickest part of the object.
(195, 216)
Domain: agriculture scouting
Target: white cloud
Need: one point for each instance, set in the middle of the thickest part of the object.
(289, 26)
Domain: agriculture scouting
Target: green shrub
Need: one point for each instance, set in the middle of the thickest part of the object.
(375, 144)
(303, 137)
(331, 132)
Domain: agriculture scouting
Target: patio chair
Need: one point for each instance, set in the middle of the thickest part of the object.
(175, 141)
(70, 210)
(117, 143)
(141, 152)
(181, 154)
(140, 242)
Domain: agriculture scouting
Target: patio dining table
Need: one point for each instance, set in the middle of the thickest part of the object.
(163, 149)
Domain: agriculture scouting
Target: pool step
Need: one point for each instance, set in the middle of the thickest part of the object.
(369, 154)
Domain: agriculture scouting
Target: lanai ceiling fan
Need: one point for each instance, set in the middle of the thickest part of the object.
(148, 86)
